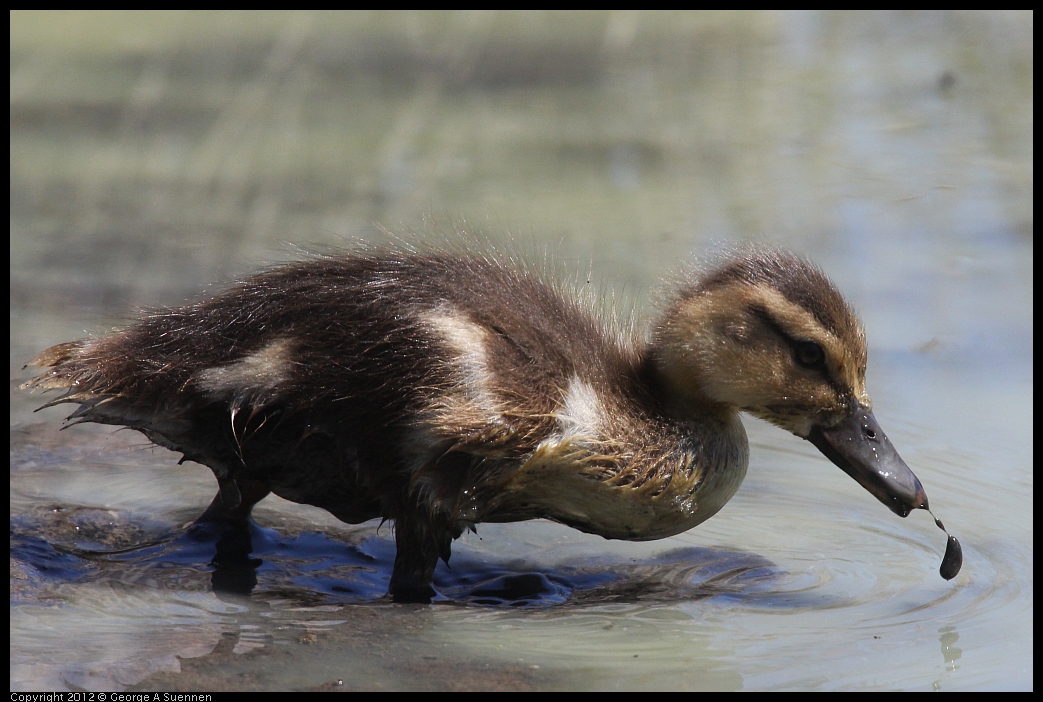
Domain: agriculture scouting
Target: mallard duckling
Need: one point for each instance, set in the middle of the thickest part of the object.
(440, 390)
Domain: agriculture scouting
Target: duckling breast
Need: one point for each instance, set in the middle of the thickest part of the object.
(623, 474)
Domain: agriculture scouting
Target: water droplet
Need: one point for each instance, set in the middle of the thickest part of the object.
(953, 559)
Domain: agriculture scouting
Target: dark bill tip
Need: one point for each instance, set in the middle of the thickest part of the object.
(859, 447)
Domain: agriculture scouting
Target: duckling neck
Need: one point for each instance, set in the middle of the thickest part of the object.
(681, 399)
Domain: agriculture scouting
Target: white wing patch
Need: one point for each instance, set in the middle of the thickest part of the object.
(581, 421)
(262, 371)
(582, 413)
(468, 342)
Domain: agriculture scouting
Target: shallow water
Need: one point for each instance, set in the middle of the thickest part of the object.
(151, 160)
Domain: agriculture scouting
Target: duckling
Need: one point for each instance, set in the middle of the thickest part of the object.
(439, 390)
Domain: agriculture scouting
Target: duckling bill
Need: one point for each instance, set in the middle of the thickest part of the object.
(440, 390)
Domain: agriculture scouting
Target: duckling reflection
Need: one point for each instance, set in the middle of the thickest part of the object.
(440, 390)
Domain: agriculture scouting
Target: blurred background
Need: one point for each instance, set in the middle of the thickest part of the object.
(156, 153)
(153, 153)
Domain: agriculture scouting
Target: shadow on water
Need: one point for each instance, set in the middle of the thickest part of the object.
(314, 568)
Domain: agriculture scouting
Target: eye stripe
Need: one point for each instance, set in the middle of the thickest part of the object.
(762, 314)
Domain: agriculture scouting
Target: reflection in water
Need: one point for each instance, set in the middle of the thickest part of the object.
(313, 568)
(949, 651)
(951, 654)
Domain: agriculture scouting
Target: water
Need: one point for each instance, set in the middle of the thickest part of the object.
(151, 160)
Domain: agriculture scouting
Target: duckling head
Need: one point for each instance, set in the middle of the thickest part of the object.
(769, 334)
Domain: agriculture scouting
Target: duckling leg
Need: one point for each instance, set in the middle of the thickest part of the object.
(227, 521)
(420, 543)
(234, 501)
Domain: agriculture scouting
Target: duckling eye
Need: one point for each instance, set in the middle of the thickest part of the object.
(810, 354)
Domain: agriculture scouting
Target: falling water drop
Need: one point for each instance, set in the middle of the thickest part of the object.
(952, 561)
